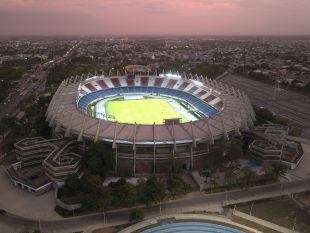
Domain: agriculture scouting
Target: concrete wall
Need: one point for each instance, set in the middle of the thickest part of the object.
(64, 205)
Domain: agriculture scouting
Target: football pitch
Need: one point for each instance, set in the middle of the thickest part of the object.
(142, 111)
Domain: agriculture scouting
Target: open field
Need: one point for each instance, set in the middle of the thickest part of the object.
(281, 211)
(142, 111)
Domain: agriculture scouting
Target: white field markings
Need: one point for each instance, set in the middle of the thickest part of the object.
(101, 111)
(180, 109)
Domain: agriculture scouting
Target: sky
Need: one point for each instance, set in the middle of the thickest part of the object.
(154, 17)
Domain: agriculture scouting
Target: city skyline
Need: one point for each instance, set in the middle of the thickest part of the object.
(154, 17)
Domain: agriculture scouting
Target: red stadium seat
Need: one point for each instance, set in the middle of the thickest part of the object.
(183, 86)
(192, 90)
(201, 93)
(130, 82)
(90, 87)
(144, 81)
(171, 83)
(115, 82)
(102, 84)
(209, 98)
(158, 82)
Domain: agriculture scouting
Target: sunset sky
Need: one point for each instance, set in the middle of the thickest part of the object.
(149, 17)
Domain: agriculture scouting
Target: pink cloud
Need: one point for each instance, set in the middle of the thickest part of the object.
(154, 17)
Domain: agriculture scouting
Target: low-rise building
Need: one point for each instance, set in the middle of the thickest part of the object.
(43, 163)
(271, 144)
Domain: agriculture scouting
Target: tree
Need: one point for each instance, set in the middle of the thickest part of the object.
(91, 183)
(140, 187)
(216, 157)
(230, 177)
(307, 88)
(210, 70)
(99, 159)
(7, 123)
(95, 165)
(72, 185)
(280, 169)
(99, 200)
(270, 173)
(234, 150)
(136, 215)
(249, 177)
(176, 185)
(124, 194)
(263, 115)
(154, 191)
(92, 202)
(37, 231)
(107, 197)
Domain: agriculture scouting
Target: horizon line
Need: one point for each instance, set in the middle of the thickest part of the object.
(156, 35)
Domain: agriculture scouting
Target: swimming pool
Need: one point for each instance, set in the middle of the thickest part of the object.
(191, 227)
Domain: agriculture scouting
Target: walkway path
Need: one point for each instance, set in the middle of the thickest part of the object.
(193, 202)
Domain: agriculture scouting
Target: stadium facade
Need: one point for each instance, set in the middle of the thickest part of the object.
(223, 112)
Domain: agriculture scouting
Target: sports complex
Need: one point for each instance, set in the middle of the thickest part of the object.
(150, 121)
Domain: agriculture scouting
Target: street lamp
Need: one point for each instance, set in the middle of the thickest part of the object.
(103, 215)
(251, 208)
(40, 228)
(294, 224)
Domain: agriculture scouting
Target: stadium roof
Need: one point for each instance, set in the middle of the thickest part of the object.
(63, 114)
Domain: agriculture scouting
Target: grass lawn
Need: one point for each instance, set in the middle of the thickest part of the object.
(282, 211)
(144, 111)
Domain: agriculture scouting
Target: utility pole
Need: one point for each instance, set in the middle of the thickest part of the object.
(251, 208)
(294, 224)
(226, 196)
(40, 228)
(281, 187)
(103, 212)
(159, 207)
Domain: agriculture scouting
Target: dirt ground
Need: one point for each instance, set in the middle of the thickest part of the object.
(107, 230)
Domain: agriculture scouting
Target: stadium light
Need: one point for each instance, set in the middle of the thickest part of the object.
(197, 83)
(94, 77)
(170, 75)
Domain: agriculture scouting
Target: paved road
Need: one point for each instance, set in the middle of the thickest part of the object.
(9, 107)
(11, 223)
(294, 107)
(17, 96)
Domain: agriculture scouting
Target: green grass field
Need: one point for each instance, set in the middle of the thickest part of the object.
(144, 111)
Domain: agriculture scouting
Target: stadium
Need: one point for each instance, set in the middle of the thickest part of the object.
(152, 122)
